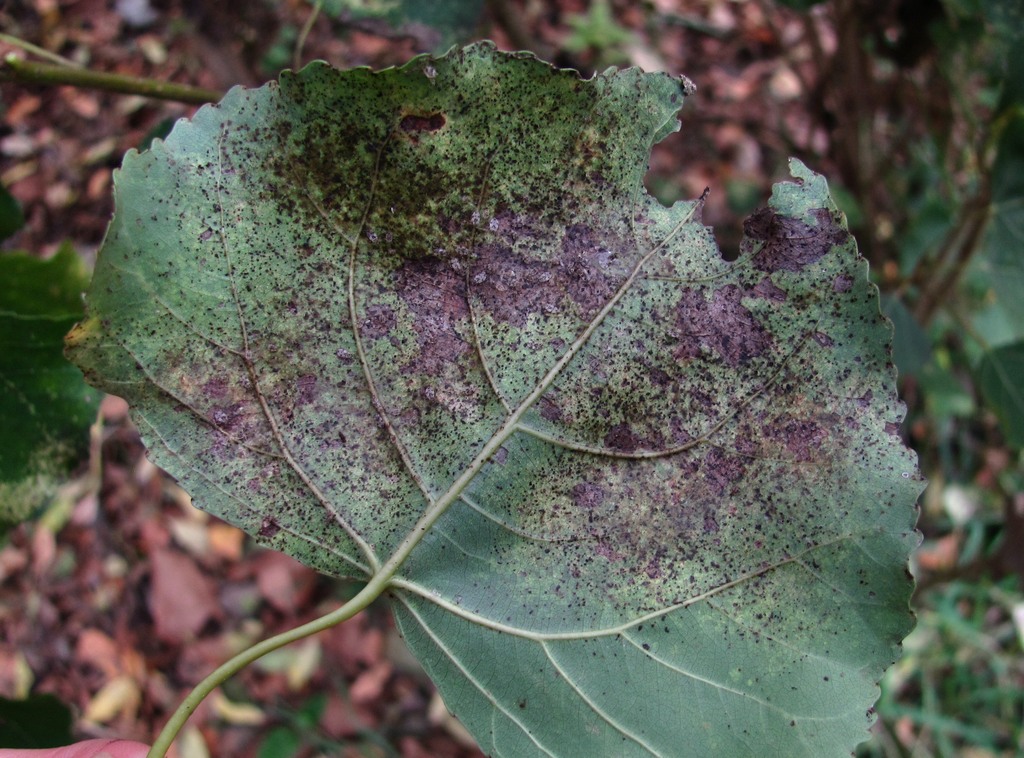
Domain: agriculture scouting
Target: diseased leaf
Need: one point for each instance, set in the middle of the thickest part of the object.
(426, 325)
(45, 405)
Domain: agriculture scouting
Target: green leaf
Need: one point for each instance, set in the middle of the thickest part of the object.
(436, 25)
(38, 721)
(426, 326)
(1000, 258)
(46, 406)
(597, 29)
(280, 741)
(911, 348)
(999, 379)
(11, 216)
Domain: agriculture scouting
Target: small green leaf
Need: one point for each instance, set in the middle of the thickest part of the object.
(999, 379)
(280, 741)
(597, 29)
(425, 327)
(46, 406)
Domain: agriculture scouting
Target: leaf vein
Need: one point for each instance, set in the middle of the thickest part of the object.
(141, 416)
(477, 343)
(606, 717)
(466, 672)
(377, 403)
(254, 378)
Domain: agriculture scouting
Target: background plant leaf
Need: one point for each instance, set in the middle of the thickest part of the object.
(1000, 257)
(999, 378)
(38, 721)
(11, 216)
(426, 321)
(46, 406)
(435, 25)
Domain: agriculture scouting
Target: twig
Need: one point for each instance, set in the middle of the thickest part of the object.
(16, 69)
(966, 239)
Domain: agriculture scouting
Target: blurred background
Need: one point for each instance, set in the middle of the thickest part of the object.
(116, 595)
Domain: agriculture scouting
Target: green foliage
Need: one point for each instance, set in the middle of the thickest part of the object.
(46, 407)
(300, 729)
(279, 54)
(958, 681)
(39, 721)
(911, 348)
(956, 266)
(11, 217)
(438, 24)
(1002, 254)
(1001, 377)
(424, 327)
(597, 31)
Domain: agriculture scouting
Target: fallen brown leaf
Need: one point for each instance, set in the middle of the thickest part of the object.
(181, 599)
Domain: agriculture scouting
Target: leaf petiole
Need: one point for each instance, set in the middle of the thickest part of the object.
(15, 69)
(226, 670)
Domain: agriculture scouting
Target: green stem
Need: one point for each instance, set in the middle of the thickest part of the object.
(28, 47)
(15, 69)
(306, 28)
(226, 670)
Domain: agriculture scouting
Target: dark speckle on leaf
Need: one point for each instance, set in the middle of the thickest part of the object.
(436, 295)
(587, 495)
(722, 470)
(549, 409)
(842, 283)
(724, 325)
(767, 290)
(622, 439)
(422, 123)
(269, 527)
(306, 386)
(379, 322)
(789, 244)
(823, 339)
